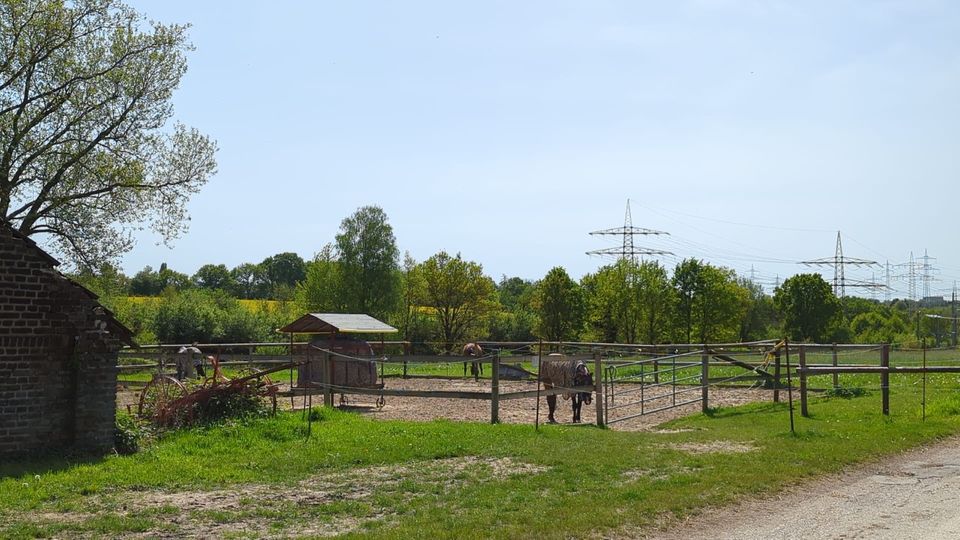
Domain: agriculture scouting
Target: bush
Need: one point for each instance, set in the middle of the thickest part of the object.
(129, 434)
(846, 393)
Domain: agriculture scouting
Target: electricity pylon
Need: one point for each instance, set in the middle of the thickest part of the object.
(628, 250)
(839, 262)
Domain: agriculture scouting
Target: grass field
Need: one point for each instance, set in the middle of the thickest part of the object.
(393, 479)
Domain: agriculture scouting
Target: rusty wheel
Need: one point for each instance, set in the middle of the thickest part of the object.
(264, 379)
(160, 391)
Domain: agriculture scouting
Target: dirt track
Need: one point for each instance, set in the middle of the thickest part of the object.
(910, 496)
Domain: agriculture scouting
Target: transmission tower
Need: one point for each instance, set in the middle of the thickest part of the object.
(953, 312)
(886, 292)
(628, 250)
(926, 273)
(839, 262)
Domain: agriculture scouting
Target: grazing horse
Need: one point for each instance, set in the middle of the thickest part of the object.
(557, 371)
(476, 368)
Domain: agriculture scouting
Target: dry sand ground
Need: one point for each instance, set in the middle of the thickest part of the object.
(512, 411)
(522, 411)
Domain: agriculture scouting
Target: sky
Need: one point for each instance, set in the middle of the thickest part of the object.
(751, 131)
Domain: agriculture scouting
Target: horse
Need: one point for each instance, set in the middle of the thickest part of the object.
(557, 371)
(476, 368)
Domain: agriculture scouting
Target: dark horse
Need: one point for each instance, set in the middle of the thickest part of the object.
(476, 368)
(556, 371)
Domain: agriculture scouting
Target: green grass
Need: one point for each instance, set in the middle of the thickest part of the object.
(589, 480)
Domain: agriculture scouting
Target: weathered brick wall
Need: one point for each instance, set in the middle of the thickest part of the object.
(57, 379)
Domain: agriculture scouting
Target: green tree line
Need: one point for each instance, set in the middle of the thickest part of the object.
(446, 300)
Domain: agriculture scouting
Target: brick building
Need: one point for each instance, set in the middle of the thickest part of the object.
(58, 356)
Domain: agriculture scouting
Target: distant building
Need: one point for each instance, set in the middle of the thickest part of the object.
(58, 356)
(933, 301)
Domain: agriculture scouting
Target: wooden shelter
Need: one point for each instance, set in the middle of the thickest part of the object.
(336, 357)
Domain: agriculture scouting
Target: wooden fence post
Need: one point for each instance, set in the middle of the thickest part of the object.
(786, 347)
(885, 377)
(328, 379)
(776, 376)
(495, 390)
(705, 380)
(803, 381)
(598, 387)
(836, 380)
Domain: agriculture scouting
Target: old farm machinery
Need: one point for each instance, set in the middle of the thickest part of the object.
(167, 402)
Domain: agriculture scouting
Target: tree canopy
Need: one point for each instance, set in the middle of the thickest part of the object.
(86, 153)
(807, 305)
(369, 262)
(560, 306)
(461, 296)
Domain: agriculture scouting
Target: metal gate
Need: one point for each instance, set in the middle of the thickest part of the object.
(633, 389)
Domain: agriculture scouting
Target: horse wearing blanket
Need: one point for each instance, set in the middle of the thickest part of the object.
(557, 371)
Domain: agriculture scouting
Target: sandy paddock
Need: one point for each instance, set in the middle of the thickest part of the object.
(518, 411)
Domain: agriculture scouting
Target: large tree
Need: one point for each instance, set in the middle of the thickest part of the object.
(87, 155)
(282, 272)
(807, 306)
(319, 292)
(655, 299)
(709, 301)
(213, 276)
(369, 262)
(560, 305)
(249, 281)
(461, 297)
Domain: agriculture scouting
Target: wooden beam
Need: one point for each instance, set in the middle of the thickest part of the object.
(545, 392)
(445, 394)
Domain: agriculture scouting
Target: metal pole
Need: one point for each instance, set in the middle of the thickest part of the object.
(924, 398)
(673, 384)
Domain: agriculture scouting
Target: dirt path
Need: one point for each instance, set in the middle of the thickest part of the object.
(910, 496)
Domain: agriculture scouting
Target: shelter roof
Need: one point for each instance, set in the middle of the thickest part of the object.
(340, 323)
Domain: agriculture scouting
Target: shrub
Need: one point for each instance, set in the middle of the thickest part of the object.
(846, 393)
(129, 434)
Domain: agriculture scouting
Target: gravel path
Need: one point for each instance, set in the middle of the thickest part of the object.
(911, 496)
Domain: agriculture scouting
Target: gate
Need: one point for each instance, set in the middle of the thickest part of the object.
(633, 389)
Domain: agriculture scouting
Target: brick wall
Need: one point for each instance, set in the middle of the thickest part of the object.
(57, 373)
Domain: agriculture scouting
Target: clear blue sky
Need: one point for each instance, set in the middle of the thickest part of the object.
(752, 131)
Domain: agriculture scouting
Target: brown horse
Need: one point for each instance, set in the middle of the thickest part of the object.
(476, 368)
